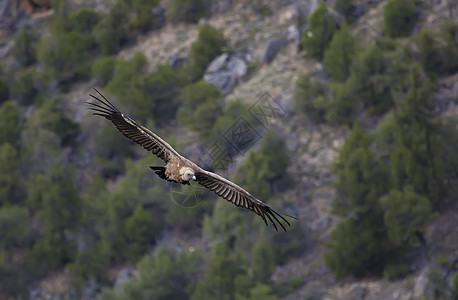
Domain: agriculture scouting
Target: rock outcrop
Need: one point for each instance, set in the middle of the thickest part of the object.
(227, 70)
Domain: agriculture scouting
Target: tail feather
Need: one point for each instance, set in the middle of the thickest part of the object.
(160, 171)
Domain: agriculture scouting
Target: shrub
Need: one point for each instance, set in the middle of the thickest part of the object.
(68, 55)
(221, 275)
(346, 8)
(103, 69)
(139, 231)
(24, 49)
(50, 117)
(208, 46)
(83, 20)
(436, 282)
(50, 252)
(164, 87)
(189, 11)
(109, 32)
(140, 15)
(366, 72)
(270, 168)
(395, 271)
(24, 88)
(455, 284)
(343, 107)
(129, 84)
(54, 200)
(4, 90)
(260, 291)
(449, 34)
(437, 50)
(429, 51)
(67, 130)
(90, 262)
(57, 203)
(319, 34)
(39, 144)
(310, 99)
(357, 247)
(414, 159)
(14, 282)
(109, 159)
(378, 73)
(262, 259)
(340, 53)
(231, 112)
(406, 214)
(182, 214)
(261, 7)
(162, 275)
(399, 17)
(360, 178)
(9, 177)
(10, 124)
(14, 223)
(202, 105)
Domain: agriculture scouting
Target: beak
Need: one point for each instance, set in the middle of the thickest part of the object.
(194, 177)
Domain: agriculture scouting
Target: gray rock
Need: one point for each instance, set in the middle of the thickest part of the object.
(323, 224)
(442, 104)
(357, 292)
(123, 276)
(176, 61)
(305, 7)
(221, 6)
(359, 10)
(218, 63)
(35, 293)
(291, 34)
(158, 16)
(421, 283)
(274, 46)
(338, 17)
(89, 290)
(226, 70)
(4, 8)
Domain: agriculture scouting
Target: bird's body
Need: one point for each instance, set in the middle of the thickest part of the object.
(180, 169)
(177, 169)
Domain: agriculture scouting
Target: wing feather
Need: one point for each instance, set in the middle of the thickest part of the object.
(131, 129)
(233, 193)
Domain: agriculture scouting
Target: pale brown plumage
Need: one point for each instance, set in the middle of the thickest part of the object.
(178, 168)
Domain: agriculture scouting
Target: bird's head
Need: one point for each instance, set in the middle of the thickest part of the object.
(188, 174)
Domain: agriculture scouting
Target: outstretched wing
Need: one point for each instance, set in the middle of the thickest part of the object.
(233, 193)
(131, 129)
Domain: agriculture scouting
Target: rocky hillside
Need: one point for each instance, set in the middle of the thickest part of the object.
(349, 109)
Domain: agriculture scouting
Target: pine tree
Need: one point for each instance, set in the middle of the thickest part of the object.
(339, 55)
(399, 17)
(415, 160)
(359, 245)
(220, 278)
(320, 31)
(9, 176)
(361, 178)
(406, 214)
(139, 232)
(208, 46)
(10, 124)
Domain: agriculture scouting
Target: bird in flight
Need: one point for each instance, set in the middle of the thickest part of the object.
(180, 169)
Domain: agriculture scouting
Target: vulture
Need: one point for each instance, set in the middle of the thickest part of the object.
(180, 169)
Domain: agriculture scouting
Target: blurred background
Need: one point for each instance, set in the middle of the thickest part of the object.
(362, 148)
